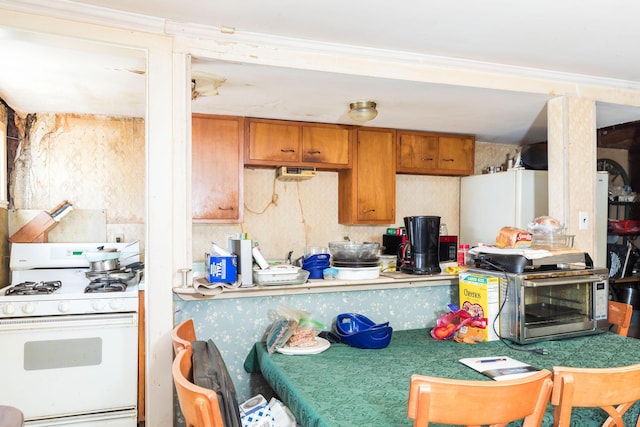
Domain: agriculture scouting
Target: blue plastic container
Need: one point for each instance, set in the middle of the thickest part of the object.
(350, 323)
(374, 338)
(315, 272)
(359, 331)
(317, 258)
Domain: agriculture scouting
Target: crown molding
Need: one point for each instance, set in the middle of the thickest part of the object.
(70, 10)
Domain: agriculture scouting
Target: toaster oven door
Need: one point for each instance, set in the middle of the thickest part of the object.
(562, 306)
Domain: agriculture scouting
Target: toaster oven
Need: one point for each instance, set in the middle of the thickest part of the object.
(551, 301)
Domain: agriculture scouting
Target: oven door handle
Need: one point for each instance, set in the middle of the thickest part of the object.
(77, 321)
(561, 281)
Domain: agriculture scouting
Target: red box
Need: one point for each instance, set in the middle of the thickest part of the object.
(624, 226)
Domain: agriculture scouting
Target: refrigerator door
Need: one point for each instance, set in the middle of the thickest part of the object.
(505, 199)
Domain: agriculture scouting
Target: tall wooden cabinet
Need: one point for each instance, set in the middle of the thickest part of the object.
(435, 154)
(367, 191)
(217, 187)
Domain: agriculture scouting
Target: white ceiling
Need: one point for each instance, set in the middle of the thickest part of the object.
(578, 40)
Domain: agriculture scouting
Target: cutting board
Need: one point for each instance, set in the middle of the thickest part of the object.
(78, 226)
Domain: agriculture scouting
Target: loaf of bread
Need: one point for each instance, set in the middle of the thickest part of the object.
(512, 237)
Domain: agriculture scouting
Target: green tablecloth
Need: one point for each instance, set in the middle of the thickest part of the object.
(346, 386)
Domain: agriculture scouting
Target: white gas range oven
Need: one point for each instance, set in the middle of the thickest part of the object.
(70, 335)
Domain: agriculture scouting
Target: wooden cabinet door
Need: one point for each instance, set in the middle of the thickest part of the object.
(456, 154)
(216, 144)
(273, 142)
(367, 192)
(327, 144)
(417, 151)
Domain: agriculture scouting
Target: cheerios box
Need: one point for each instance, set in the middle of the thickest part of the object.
(479, 295)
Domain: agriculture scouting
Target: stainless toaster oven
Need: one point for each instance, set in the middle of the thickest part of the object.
(540, 304)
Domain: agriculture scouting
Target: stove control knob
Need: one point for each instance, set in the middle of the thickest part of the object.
(116, 304)
(98, 305)
(28, 308)
(64, 306)
(9, 309)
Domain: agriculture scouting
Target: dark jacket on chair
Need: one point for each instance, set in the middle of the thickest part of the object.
(210, 371)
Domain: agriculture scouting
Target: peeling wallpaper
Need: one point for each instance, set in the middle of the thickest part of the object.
(94, 162)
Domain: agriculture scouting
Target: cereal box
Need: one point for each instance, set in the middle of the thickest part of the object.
(479, 295)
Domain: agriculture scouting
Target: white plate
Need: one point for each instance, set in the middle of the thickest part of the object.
(318, 348)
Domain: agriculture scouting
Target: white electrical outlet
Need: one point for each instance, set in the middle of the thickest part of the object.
(584, 220)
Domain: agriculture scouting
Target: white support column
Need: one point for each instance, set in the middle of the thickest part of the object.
(167, 239)
(572, 153)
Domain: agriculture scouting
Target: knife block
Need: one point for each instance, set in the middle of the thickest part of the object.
(36, 230)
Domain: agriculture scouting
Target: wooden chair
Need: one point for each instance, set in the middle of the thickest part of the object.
(199, 405)
(442, 400)
(183, 335)
(619, 315)
(612, 389)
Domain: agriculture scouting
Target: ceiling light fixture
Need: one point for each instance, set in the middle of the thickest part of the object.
(363, 111)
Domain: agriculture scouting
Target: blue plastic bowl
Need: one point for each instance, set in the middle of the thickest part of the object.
(315, 272)
(317, 258)
(350, 323)
(374, 338)
(315, 264)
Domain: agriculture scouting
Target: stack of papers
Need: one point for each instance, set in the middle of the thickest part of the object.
(499, 368)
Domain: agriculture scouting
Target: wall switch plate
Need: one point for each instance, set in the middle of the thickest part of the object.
(584, 220)
(119, 238)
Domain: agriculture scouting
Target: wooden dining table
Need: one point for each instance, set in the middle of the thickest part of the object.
(348, 386)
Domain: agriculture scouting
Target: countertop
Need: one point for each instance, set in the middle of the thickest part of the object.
(393, 280)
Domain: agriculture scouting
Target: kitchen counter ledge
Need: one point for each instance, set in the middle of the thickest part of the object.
(318, 286)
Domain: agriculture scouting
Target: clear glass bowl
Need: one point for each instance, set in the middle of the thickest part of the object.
(354, 251)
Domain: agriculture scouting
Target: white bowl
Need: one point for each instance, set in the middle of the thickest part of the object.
(359, 273)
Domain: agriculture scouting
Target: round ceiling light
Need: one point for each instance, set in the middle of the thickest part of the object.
(363, 111)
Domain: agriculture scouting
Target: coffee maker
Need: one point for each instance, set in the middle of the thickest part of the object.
(421, 253)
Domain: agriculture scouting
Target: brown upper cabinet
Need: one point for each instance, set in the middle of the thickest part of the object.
(435, 154)
(217, 186)
(287, 143)
(367, 192)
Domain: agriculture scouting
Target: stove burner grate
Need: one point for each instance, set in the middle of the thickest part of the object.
(106, 284)
(34, 288)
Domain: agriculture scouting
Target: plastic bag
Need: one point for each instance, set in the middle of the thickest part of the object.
(450, 322)
(294, 328)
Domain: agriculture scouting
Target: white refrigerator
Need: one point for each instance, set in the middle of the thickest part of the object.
(489, 202)
(515, 198)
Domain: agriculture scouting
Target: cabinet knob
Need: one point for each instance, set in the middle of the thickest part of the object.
(313, 152)
(287, 150)
(226, 209)
(447, 160)
(428, 158)
(368, 211)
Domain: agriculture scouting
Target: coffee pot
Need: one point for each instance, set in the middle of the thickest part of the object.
(421, 253)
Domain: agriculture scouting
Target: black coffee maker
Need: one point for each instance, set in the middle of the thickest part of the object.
(421, 253)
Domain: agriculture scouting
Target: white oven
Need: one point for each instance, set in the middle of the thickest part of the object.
(70, 354)
(87, 362)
